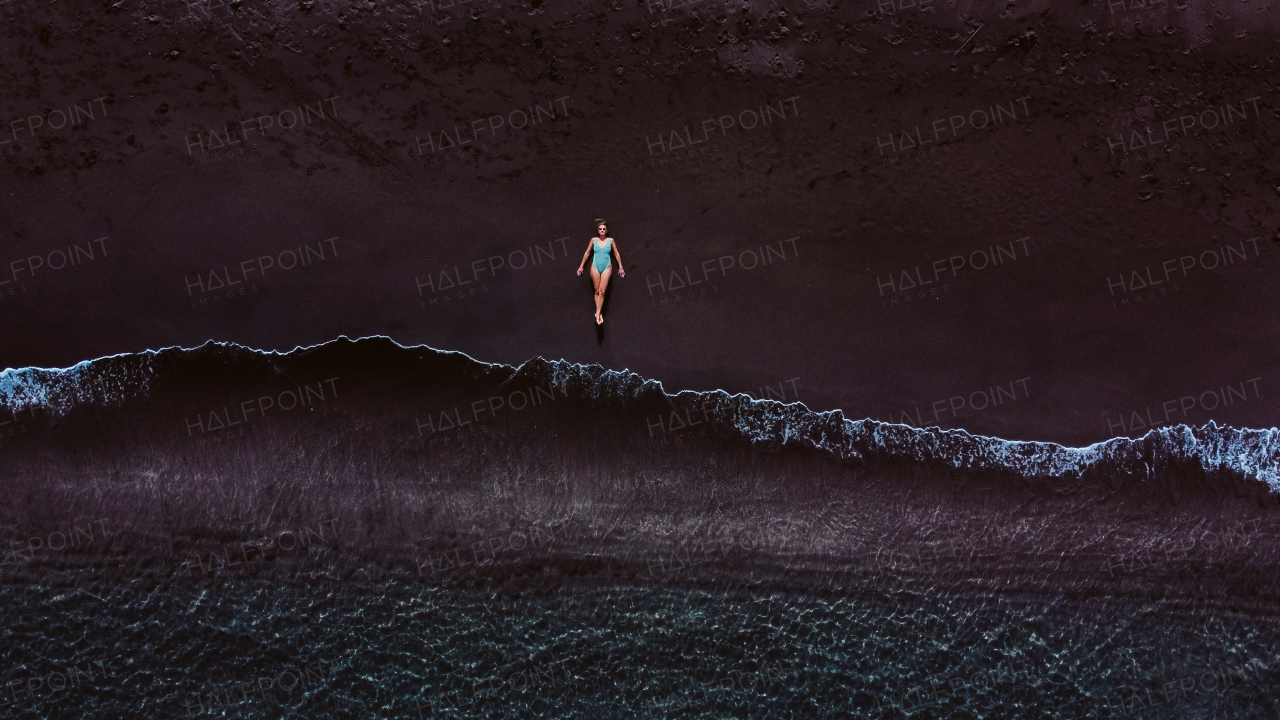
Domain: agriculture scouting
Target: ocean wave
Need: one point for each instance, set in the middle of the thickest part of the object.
(1211, 450)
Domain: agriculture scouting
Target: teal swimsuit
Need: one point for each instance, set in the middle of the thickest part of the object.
(601, 258)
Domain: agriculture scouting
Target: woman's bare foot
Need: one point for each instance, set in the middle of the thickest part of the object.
(599, 319)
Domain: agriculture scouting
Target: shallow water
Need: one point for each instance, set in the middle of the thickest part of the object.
(245, 648)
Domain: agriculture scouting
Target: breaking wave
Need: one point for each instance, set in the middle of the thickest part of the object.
(1210, 452)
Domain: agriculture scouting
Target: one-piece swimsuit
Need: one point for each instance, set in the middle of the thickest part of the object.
(601, 257)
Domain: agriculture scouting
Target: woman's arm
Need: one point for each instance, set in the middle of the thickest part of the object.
(621, 272)
(585, 255)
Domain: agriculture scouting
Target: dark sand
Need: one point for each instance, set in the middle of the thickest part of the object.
(1046, 327)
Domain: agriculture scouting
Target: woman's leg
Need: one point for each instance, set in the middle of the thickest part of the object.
(595, 281)
(604, 285)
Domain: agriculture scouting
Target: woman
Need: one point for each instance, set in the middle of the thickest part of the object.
(601, 246)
